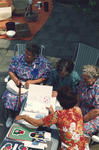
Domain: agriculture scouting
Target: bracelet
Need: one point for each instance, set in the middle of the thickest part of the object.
(26, 117)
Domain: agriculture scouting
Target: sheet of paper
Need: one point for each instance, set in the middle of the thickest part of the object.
(39, 93)
(5, 13)
(39, 146)
(39, 97)
(53, 102)
(40, 89)
(36, 107)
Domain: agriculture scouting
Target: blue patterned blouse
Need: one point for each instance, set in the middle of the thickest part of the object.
(40, 68)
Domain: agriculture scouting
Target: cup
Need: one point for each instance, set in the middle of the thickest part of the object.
(46, 4)
(10, 26)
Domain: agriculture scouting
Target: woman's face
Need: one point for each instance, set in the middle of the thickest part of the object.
(29, 57)
(88, 80)
(63, 74)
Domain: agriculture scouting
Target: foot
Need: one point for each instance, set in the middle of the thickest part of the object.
(9, 122)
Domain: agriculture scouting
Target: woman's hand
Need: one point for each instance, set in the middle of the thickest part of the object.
(14, 78)
(18, 82)
(54, 93)
(50, 109)
(29, 82)
(19, 117)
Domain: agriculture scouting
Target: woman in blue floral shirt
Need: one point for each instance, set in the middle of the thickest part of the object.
(29, 67)
(88, 95)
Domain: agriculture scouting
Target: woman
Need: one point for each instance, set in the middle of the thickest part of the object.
(29, 67)
(69, 121)
(62, 75)
(88, 96)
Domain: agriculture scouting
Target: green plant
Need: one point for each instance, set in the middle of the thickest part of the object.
(78, 6)
(92, 3)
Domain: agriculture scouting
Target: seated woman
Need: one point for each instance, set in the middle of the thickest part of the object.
(62, 75)
(69, 121)
(29, 67)
(88, 96)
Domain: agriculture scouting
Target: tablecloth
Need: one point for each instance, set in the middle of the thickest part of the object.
(34, 26)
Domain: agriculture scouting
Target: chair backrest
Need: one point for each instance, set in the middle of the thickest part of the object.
(20, 48)
(85, 55)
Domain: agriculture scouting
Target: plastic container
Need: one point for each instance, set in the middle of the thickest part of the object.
(22, 30)
(46, 6)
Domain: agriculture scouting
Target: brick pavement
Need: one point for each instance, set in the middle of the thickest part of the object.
(63, 30)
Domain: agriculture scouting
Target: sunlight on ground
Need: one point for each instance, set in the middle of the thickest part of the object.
(1, 124)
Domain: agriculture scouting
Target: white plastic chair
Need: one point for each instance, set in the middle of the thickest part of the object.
(85, 55)
(20, 49)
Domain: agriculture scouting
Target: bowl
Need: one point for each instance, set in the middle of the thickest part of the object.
(10, 33)
(2, 31)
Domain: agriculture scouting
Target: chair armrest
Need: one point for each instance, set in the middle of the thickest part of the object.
(7, 79)
(95, 138)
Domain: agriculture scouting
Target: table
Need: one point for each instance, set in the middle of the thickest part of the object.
(53, 145)
(34, 26)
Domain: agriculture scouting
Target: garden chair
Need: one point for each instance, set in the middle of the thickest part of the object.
(84, 55)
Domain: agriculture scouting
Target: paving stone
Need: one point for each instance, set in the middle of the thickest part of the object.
(64, 29)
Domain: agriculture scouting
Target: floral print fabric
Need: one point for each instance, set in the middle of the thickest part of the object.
(24, 72)
(89, 97)
(70, 126)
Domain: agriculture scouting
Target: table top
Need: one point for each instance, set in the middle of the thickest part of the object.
(34, 26)
(51, 145)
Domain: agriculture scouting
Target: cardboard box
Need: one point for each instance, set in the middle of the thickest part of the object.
(5, 11)
(3, 4)
(22, 30)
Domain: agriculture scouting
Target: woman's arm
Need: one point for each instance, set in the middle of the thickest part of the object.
(90, 115)
(30, 120)
(78, 104)
(14, 78)
(36, 81)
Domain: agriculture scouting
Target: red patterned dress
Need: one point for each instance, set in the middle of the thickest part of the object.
(70, 126)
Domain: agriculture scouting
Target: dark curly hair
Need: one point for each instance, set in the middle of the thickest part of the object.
(65, 65)
(34, 48)
(66, 97)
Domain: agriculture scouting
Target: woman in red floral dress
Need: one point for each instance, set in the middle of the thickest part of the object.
(69, 121)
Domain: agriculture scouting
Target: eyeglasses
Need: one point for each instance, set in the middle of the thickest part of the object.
(63, 73)
(27, 54)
